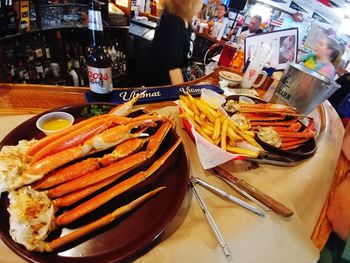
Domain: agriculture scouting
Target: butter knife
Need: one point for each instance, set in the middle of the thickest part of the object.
(267, 200)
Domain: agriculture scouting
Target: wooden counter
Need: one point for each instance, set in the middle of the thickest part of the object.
(33, 99)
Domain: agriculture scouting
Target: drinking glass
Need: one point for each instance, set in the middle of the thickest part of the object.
(227, 54)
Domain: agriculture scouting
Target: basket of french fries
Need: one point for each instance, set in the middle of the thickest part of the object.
(218, 137)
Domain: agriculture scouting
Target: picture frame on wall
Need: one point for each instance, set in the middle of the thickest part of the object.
(283, 45)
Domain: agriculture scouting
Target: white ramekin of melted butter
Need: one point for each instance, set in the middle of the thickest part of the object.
(54, 121)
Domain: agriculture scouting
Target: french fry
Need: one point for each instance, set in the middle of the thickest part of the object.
(224, 134)
(209, 108)
(201, 132)
(186, 109)
(231, 143)
(208, 126)
(193, 103)
(238, 150)
(217, 129)
(202, 107)
(186, 101)
(244, 127)
(198, 120)
(217, 141)
(192, 106)
(249, 133)
(210, 133)
(249, 139)
(233, 136)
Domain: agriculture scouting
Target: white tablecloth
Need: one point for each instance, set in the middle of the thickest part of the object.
(273, 239)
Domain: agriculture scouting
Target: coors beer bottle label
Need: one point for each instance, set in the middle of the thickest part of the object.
(100, 80)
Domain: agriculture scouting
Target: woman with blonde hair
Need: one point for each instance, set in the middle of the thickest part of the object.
(172, 45)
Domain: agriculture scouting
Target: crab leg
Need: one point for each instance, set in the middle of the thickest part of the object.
(259, 117)
(118, 169)
(307, 133)
(74, 138)
(44, 142)
(77, 195)
(280, 123)
(99, 142)
(121, 111)
(107, 219)
(292, 128)
(67, 173)
(125, 108)
(123, 150)
(89, 165)
(294, 143)
(291, 139)
(48, 139)
(266, 107)
(48, 164)
(114, 191)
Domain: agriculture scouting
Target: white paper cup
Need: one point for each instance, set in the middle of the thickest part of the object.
(212, 98)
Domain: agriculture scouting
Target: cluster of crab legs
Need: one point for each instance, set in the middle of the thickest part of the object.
(283, 119)
(67, 185)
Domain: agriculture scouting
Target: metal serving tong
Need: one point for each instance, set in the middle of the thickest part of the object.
(225, 248)
(212, 224)
(274, 159)
(251, 190)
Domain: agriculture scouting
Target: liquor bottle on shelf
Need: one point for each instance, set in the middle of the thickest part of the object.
(118, 58)
(83, 80)
(10, 18)
(76, 57)
(46, 49)
(29, 55)
(20, 68)
(97, 60)
(38, 50)
(39, 70)
(33, 78)
(69, 58)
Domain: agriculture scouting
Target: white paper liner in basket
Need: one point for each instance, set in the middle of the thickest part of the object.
(211, 155)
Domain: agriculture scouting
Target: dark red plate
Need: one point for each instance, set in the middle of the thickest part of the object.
(128, 236)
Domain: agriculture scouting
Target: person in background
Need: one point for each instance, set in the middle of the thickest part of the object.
(172, 45)
(252, 29)
(326, 52)
(221, 17)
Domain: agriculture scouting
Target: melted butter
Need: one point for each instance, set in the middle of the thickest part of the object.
(56, 124)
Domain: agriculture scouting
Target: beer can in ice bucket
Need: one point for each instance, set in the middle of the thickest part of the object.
(303, 88)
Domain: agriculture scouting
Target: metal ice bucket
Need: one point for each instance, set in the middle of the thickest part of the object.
(303, 88)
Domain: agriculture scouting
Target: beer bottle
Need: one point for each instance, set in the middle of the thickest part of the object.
(97, 61)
